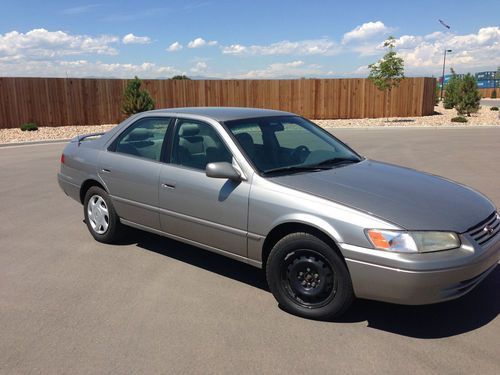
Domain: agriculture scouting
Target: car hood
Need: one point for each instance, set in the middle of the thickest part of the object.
(403, 196)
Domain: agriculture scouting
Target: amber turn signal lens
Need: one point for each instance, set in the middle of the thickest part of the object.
(378, 239)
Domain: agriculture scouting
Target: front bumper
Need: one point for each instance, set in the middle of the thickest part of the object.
(419, 279)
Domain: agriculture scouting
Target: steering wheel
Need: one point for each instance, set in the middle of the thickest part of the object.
(300, 153)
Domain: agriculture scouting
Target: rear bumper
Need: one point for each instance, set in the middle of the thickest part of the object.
(70, 189)
(419, 279)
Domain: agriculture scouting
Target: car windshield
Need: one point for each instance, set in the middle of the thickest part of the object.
(287, 144)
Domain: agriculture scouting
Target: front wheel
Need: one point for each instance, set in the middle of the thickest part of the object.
(100, 216)
(308, 278)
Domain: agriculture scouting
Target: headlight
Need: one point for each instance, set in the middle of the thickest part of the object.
(412, 242)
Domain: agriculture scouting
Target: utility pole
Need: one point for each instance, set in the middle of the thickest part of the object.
(444, 65)
(444, 59)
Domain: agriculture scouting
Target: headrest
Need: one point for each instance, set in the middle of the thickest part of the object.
(188, 130)
(140, 135)
(245, 140)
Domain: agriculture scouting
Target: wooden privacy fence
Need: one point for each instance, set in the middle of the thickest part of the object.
(487, 93)
(71, 101)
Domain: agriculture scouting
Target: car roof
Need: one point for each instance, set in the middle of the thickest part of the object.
(224, 113)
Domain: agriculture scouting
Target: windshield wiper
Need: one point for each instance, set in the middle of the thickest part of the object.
(297, 168)
(336, 161)
(323, 165)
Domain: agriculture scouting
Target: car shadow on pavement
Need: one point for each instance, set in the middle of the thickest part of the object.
(470, 312)
(475, 310)
(197, 257)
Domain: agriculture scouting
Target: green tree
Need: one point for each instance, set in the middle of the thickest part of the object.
(181, 77)
(136, 100)
(452, 91)
(388, 72)
(469, 96)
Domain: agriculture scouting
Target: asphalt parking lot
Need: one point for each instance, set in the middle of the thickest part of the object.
(70, 305)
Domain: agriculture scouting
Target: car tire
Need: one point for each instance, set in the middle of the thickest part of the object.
(100, 216)
(308, 278)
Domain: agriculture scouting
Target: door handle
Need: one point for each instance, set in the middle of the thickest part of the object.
(104, 170)
(168, 186)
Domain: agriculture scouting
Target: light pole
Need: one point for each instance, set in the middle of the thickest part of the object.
(444, 65)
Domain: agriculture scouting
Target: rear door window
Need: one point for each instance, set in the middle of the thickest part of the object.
(145, 138)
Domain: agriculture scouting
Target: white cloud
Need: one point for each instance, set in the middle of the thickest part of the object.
(59, 54)
(80, 9)
(134, 39)
(294, 69)
(285, 47)
(234, 49)
(84, 68)
(200, 42)
(200, 67)
(175, 46)
(470, 52)
(41, 43)
(423, 54)
(365, 31)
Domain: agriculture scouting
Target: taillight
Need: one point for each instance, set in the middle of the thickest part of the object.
(62, 158)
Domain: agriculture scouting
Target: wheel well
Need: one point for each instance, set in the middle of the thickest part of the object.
(86, 186)
(280, 231)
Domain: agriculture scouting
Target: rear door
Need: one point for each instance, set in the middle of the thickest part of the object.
(130, 169)
(206, 210)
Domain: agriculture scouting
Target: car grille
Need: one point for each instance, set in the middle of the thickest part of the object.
(486, 229)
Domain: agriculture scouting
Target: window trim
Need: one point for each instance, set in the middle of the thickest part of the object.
(112, 147)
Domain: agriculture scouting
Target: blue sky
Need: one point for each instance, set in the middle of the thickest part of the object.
(242, 39)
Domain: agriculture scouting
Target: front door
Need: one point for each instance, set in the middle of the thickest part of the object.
(206, 210)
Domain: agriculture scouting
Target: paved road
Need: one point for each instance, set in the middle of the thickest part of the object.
(69, 305)
(490, 102)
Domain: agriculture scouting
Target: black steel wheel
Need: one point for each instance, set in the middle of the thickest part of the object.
(308, 278)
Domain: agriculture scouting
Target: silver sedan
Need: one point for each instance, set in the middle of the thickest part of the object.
(274, 190)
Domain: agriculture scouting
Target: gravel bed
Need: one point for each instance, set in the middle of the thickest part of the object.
(442, 117)
(50, 133)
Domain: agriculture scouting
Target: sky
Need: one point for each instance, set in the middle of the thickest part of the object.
(243, 39)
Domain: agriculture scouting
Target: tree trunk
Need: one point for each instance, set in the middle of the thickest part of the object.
(387, 104)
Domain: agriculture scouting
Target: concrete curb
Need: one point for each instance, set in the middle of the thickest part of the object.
(33, 143)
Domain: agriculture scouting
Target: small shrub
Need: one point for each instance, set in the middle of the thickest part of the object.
(468, 96)
(494, 94)
(494, 109)
(452, 91)
(136, 100)
(459, 119)
(29, 126)
(436, 95)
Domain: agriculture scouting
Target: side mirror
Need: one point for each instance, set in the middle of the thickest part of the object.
(222, 170)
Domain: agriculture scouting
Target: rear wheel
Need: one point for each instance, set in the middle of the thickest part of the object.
(308, 278)
(100, 216)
